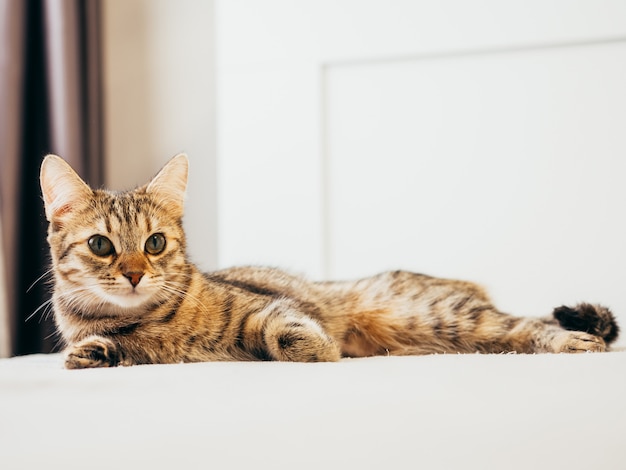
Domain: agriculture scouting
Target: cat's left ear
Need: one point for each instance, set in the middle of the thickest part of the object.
(63, 190)
(170, 184)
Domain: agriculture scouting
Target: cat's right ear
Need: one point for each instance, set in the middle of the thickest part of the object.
(63, 190)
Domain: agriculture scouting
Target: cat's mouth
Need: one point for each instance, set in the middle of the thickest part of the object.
(129, 298)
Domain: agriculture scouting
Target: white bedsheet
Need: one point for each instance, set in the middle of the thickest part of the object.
(443, 411)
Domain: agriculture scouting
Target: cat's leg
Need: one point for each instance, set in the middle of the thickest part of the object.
(480, 328)
(465, 320)
(496, 332)
(533, 335)
(94, 351)
(485, 329)
(413, 314)
(289, 334)
(583, 327)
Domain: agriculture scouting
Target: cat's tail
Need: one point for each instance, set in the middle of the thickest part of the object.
(590, 318)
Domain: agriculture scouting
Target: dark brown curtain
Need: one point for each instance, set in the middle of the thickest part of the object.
(50, 89)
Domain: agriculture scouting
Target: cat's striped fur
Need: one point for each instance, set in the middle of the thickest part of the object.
(125, 293)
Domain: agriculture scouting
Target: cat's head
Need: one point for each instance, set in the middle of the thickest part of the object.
(114, 253)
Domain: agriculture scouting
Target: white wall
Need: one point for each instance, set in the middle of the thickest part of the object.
(464, 138)
(160, 101)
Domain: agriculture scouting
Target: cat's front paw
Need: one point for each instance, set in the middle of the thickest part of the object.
(91, 352)
(578, 341)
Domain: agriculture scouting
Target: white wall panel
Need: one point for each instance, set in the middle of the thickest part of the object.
(502, 168)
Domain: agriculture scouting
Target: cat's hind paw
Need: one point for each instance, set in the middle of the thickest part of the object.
(92, 352)
(577, 342)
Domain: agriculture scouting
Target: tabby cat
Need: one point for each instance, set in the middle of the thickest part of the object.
(125, 293)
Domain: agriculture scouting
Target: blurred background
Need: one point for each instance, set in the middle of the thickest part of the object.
(475, 139)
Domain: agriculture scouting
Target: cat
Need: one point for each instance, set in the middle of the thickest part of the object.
(125, 293)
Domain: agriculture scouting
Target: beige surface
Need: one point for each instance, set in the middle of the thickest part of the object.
(446, 411)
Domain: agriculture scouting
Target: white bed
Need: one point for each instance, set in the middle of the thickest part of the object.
(442, 411)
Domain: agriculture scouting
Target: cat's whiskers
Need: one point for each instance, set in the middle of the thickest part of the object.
(58, 343)
(182, 291)
(81, 303)
(169, 286)
(47, 306)
(48, 272)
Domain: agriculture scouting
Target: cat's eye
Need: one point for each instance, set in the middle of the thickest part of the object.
(155, 243)
(100, 245)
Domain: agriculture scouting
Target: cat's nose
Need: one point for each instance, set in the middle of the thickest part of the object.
(133, 277)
